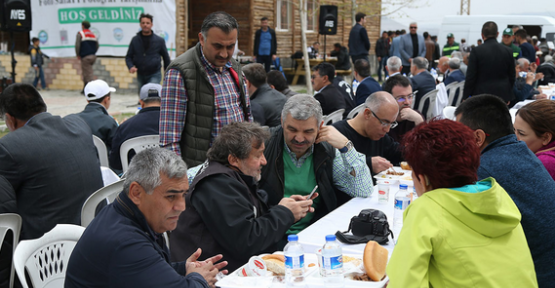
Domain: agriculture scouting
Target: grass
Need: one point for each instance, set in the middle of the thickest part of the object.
(2, 134)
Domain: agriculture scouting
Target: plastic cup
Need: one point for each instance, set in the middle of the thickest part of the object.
(255, 267)
(383, 191)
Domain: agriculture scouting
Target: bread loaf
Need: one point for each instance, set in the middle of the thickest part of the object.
(375, 260)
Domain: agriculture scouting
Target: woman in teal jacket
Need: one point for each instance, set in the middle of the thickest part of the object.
(459, 232)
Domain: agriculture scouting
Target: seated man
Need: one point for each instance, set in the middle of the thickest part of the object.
(523, 88)
(517, 170)
(146, 122)
(303, 153)
(124, 246)
(224, 200)
(277, 81)
(342, 54)
(261, 93)
(367, 84)
(393, 67)
(326, 93)
(455, 74)
(50, 162)
(399, 87)
(313, 50)
(96, 114)
(421, 80)
(461, 55)
(369, 133)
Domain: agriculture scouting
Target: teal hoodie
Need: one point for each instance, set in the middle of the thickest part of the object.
(463, 237)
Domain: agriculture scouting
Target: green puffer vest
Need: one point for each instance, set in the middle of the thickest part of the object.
(199, 121)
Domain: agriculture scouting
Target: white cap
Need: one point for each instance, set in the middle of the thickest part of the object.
(150, 90)
(97, 89)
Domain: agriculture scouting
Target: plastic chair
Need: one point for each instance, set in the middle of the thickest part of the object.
(513, 114)
(431, 98)
(109, 192)
(10, 221)
(355, 111)
(102, 151)
(455, 89)
(451, 92)
(335, 116)
(138, 144)
(46, 259)
(108, 176)
(449, 112)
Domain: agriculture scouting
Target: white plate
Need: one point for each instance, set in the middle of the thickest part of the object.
(384, 176)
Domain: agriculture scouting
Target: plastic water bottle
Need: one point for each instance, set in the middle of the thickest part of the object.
(333, 262)
(294, 262)
(402, 201)
(354, 86)
(434, 73)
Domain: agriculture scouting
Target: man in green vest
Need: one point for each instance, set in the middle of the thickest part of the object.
(508, 41)
(451, 46)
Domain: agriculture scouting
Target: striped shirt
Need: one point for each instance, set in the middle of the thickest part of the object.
(227, 105)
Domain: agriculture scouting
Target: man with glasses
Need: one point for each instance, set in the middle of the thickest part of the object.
(408, 118)
(411, 45)
(369, 131)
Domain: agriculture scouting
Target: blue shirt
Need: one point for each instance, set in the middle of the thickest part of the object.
(265, 43)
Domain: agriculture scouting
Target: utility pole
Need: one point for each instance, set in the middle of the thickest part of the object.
(465, 7)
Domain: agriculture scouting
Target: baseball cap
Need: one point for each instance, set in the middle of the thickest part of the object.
(534, 37)
(150, 90)
(450, 35)
(97, 89)
(508, 31)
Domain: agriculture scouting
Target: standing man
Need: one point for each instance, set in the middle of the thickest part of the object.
(265, 44)
(508, 41)
(430, 49)
(527, 49)
(451, 46)
(86, 46)
(491, 67)
(411, 46)
(204, 90)
(37, 61)
(382, 52)
(359, 44)
(143, 55)
(394, 48)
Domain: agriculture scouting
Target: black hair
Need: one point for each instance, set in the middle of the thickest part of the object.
(255, 73)
(521, 33)
(362, 66)
(34, 39)
(359, 16)
(325, 69)
(337, 45)
(397, 80)
(99, 100)
(489, 30)
(425, 34)
(143, 15)
(264, 18)
(21, 101)
(276, 79)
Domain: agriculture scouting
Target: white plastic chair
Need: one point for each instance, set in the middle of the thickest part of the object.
(108, 176)
(109, 192)
(451, 91)
(449, 112)
(431, 96)
(10, 221)
(513, 114)
(46, 259)
(333, 117)
(138, 144)
(102, 151)
(355, 111)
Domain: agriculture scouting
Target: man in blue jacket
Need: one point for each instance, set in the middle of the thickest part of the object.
(143, 55)
(124, 246)
(359, 44)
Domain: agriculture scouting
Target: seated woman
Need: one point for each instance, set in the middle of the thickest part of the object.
(535, 125)
(459, 232)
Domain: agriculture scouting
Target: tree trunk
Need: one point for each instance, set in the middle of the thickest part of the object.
(302, 10)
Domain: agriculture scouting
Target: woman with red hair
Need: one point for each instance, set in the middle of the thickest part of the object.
(459, 232)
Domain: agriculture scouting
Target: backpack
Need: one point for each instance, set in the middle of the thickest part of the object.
(370, 224)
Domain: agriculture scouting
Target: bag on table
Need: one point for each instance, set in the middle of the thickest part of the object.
(370, 224)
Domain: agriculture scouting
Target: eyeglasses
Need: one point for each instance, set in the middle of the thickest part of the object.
(412, 27)
(385, 123)
(402, 98)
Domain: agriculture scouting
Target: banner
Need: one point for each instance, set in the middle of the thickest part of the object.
(114, 22)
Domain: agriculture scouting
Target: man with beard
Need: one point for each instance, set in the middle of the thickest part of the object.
(508, 41)
(399, 86)
(226, 213)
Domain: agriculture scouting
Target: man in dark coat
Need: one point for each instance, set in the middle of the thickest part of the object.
(491, 67)
(422, 81)
(327, 94)
(359, 44)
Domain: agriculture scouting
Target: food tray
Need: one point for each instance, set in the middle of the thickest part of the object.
(384, 176)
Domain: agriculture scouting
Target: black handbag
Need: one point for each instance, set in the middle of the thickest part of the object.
(370, 224)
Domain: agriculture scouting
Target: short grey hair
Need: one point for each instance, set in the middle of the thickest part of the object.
(457, 54)
(420, 62)
(302, 107)
(394, 64)
(148, 166)
(221, 20)
(521, 62)
(413, 23)
(377, 99)
(454, 63)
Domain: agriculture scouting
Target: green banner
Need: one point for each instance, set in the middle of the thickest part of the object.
(100, 14)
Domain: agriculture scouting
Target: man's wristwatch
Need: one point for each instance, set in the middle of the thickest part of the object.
(348, 146)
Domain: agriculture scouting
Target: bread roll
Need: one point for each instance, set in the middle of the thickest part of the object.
(375, 260)
(279, 257)
(405, 166)
(275, 266)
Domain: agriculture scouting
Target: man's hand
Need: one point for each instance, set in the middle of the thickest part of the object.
(332, 136)
(380, 164)
(530, 78)
(133, 70)
(36, 68)
(411, 115)
(540, 96)
(205, 268)
(274, 57)
(410, 60)
(298, 208)
(533, 67)
(379, 59)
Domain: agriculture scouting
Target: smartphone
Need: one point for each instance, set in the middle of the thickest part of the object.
(312, 193)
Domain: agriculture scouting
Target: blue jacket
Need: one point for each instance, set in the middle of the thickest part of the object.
(366, 87)
(455, 76)
(119, 249)
(405, 47)
(532, 189)
(359, 44)
(424, 82)
(147, 62)
(101, 123)
(522, 90)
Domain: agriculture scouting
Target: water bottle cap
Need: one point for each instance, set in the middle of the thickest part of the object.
(330, 237)
(292, 238)
(403, 186)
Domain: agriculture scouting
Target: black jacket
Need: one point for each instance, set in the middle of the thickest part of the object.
(343, 61)
(491, 70)
(382, 47)
(257, 41)
(220, 218)
(147, 62)
(359, 44)
(101, 123)
(424, 82)
(330, 99)
(272, 102)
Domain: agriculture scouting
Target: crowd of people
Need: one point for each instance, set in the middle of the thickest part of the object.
(240, 154)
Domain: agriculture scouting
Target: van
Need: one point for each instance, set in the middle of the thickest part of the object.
(469, 27)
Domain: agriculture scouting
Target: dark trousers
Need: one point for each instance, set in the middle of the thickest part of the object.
(39, 74)
(266, 60)
(354, 58)
(381, 66)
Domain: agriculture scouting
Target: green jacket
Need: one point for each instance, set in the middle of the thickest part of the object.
(465, 239)
(516, 50)
(448, 49)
